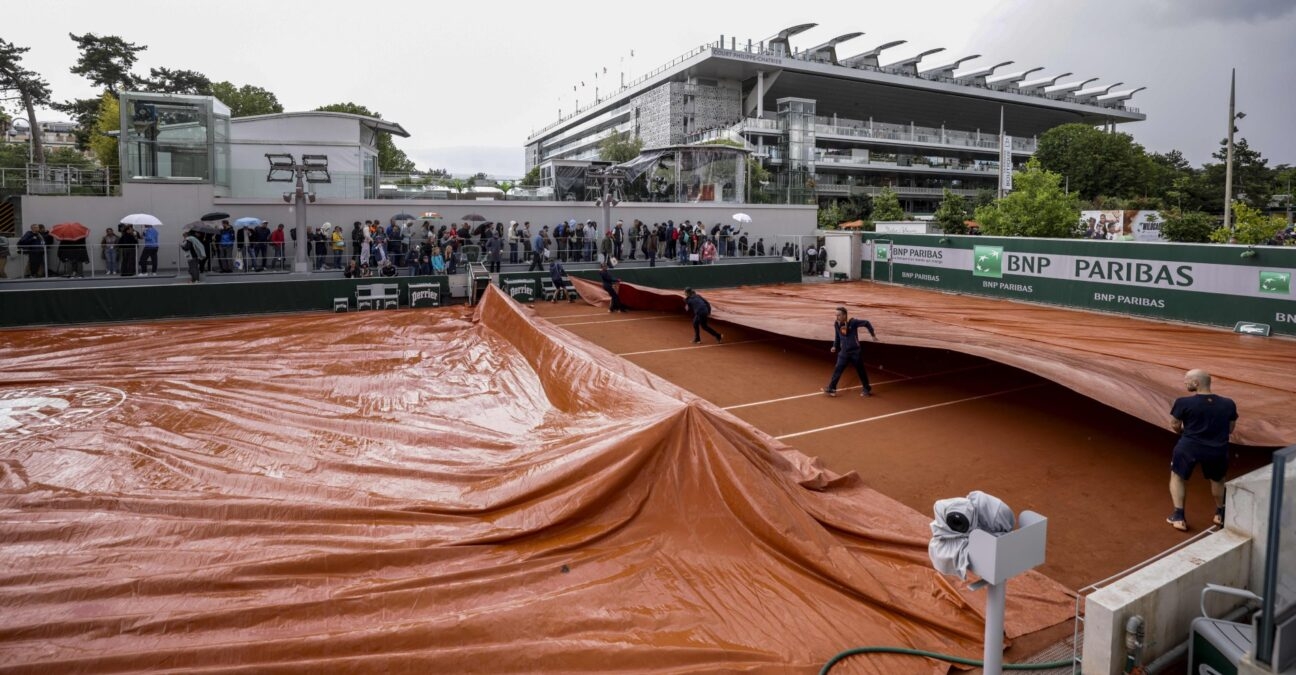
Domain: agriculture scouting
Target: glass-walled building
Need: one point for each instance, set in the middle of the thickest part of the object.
(174, 138)
(831, 128)
(178, 139)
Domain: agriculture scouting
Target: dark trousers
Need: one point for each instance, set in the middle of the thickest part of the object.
(844, 359)
(537, 257)
(513, 249)
(195, 269)
(700, 324)
(148, 255)
(652, 258)
(616, 299)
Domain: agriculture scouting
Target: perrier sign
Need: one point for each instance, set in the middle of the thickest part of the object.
(987, 261)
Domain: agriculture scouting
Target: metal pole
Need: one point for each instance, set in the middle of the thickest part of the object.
(993, 655)
(1002, 154)
(1228, 161)
(300, 266)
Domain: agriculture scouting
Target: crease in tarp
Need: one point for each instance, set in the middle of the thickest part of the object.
(1132, 364)
(422, 491)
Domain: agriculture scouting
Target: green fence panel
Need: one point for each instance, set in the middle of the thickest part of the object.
(36, 307)
(1208, 284)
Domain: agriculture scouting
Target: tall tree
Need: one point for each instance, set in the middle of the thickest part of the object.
(1252, 179)
(619, 147)
(106, 61)
(247, 100)
(886, 207)
(167, 81)
(1250, 226)
(1094, 163)
(29, 88)
(390, 158)
(952, 214)
(103, 145)
(1037, 207)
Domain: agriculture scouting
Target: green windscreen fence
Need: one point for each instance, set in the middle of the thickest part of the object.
(1235, 286)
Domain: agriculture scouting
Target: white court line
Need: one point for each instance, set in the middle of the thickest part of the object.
(587, 323)
(904, 378)
(676, 349)
(906, 412)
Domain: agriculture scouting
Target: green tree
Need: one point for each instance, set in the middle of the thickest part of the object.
(532, 177)
(984, 197)
(1095, 162)
(30, 89)
(1190, 227)
(247, 100)
(106, 61)
(109, 119)
(167, 81)
(619, 147)
(952, 214)
(1250, 226)
(1252, 178)
(886, 207)
(1037, 207)
(13, 156)
(69, 157)
(829, 217)
(391, 159)
(505, 186)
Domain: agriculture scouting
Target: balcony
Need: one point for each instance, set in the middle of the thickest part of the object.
(841, 129)
(889, 163)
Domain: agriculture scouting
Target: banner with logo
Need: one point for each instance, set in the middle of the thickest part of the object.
(1210, 284)
(1115, 225)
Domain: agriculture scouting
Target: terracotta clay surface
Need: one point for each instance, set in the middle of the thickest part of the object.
(439, 491)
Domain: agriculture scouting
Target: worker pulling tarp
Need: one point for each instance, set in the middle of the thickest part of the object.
(1134, 365)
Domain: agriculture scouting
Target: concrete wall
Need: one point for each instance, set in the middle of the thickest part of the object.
(1167, 593)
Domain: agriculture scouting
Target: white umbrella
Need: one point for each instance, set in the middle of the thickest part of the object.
(140, 220)
(742, 217)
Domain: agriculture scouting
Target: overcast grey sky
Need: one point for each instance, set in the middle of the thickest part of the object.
(470, 81)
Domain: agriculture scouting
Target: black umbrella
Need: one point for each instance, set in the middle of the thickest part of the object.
(200, 226)
(474, 216)
(215, 216)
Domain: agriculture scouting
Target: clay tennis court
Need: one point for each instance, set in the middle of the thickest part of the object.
(943, 422)
(557, 489)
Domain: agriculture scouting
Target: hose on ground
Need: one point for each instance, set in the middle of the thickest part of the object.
(1050, 665)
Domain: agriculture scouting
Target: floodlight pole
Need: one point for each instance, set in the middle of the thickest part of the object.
(300, 266)
(1228, 160)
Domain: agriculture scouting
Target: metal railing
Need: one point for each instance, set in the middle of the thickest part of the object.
(61, 179)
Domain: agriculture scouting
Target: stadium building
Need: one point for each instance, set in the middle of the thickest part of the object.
(832, 126)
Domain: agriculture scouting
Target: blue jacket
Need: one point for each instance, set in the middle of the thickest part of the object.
(150, 237)
(846, 335)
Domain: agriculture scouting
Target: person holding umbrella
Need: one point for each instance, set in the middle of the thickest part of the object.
(72, 246)
(195, 252)
(127, 243)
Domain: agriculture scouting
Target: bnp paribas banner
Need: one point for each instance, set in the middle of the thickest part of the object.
(1202, 284)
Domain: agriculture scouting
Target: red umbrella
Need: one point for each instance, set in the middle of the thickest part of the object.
(69, 231)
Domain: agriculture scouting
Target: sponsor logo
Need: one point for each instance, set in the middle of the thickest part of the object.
(429, 295)
(882, 253)
(1278, 283)
(987, 261)
(1252, 328)
(31, 411)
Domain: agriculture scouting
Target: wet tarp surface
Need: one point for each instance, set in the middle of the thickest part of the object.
(432, 491)
(1130, 364)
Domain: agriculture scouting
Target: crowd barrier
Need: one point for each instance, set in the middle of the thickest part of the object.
(1245, 288)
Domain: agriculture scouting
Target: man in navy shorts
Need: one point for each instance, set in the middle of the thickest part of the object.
(1204, 421)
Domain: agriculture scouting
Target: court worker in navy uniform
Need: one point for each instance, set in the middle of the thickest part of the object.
(846, 346)
(701, 310)
(1204, 420)
(609, 285)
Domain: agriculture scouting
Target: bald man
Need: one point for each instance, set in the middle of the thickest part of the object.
(1204, 420)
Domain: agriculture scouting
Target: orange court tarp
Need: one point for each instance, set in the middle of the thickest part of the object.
(434, 491)
(1131, 364)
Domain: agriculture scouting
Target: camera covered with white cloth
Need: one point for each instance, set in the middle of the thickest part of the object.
(955, 521)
